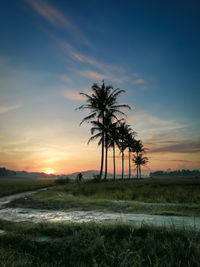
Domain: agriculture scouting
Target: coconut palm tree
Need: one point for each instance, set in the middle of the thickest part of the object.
(97, 132)
(113, 137)
(137, 147)
(139, 160)
(122, 143)
(107, 125)
(130, 144)
(102, 100)
(108, 129)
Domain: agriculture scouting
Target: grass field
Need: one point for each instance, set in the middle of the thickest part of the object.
(91, 244)
(154, 196)
(145, 190)
(12, 187)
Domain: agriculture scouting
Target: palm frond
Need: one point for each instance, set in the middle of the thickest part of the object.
(91, 116)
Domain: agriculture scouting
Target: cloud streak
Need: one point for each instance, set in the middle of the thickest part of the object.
(139, 81)
(93, 75)
(73, 95)
(153, 127)
(56, 18)
(97, 70)
(5, 109)
(179, 146)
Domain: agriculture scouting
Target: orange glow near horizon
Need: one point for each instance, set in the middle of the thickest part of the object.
(48, 171)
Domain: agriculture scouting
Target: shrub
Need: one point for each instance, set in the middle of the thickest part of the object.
(62, 181)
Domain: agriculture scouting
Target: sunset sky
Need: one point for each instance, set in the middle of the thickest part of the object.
(52, 50)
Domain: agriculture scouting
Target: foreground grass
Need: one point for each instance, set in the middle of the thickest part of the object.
(153, 196)
(95, 244)
(12, 187)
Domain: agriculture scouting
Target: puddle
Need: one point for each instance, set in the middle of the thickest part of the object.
(36, 215)
(44, 239)
(2, 231)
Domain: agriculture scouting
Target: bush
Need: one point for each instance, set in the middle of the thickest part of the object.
(62, 181)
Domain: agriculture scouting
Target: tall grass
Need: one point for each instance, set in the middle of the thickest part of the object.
(12, 187)
(154, 196)
(94, 244)
(149, 190)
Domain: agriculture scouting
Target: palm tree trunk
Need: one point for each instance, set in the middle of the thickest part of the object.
(129, 158)
(102, 156)
(106, 161)
(140, 171)
(137, 166)
(122, 164)
(114, 161)
(102, 150)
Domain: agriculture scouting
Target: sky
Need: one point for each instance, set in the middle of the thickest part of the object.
(52, 50)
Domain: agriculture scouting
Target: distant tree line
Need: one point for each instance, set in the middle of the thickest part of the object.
(110, 130)
(180, 173)
(5, 172)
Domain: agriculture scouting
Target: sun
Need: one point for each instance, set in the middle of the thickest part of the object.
(48, 171)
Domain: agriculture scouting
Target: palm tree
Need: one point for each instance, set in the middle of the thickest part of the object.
(122, 143)
(138, 147)
(108, 128)
(97, 133)
(130, 144)
(139, 161)
(113, 137)
(107, 125)
(101, 101)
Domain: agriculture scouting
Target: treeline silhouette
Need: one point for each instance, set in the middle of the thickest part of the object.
(110, 130)
(177, 173)
(5, 172)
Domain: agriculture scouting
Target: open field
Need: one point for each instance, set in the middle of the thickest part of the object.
(91, 244)
(12, 187)
(151, 196)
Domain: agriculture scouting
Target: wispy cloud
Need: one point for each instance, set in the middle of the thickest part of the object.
(56, 18)
(65, 78)
(149, 125)
(177, 146)
(99, 70)
(51, 14)
(80, 57)
(4, 109)
(92, 74)
(73, 95)
(139, 81)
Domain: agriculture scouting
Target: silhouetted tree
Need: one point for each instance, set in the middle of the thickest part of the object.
(130, 140)
(139, 160)
(112, 141)
(122, 143)
(138, 148)
(97, 129)
(101, 101)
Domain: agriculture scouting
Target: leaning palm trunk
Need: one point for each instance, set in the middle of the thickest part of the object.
(102, 155)
(114, 161)
(129, 158)
(122, 164)
(137, 166)
(106, 161)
